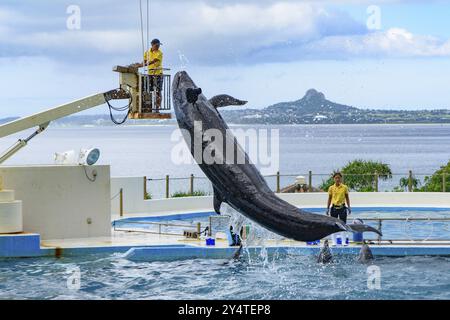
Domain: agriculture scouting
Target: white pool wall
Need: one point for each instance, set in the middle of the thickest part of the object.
(134, 203)
(59, 201)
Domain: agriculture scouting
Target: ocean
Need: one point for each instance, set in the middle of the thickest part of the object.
(147, 150)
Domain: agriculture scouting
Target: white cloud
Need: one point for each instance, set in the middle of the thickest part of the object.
(211, 33)
(111, 41)
(392, 43)
(206, 32)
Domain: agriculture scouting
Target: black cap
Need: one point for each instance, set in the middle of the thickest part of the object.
(156, 41)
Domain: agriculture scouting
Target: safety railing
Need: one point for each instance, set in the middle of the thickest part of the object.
(221, 223)
(155, 91)
(171, 186)
(380, 222)
(171, 228)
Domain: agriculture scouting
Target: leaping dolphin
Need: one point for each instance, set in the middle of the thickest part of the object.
(239, 184)
(365, 254)
(325, 255)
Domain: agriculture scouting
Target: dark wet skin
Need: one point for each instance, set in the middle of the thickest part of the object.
(241, 185)
(325, 255)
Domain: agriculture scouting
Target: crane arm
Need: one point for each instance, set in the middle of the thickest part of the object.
(43, 118)
(60, 112)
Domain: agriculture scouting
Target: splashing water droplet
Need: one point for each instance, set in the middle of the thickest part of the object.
(184, 61)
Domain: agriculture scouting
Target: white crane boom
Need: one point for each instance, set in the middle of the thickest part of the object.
(49, 115)
(43, 119)
(133, 86)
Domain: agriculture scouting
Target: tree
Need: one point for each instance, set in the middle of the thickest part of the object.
(434, 183)
(360, 175)
(404, 184)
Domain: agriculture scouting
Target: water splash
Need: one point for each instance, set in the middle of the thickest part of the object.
(255, 236)
(184, 61)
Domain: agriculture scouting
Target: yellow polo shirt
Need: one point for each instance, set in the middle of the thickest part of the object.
(152, 55)
(338, 194)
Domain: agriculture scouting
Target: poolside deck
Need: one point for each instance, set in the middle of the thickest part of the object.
(122, 241)
(149, 246)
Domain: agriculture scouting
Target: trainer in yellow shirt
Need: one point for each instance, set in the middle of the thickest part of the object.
(337, 197)
(153, 58)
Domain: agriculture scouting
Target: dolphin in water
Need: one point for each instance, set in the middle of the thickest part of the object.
(237, 181)
(325, 255)
(365, 254)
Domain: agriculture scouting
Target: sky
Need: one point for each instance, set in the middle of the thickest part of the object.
(368, 54)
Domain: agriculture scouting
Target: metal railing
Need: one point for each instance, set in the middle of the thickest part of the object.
(312, 182)
(406, 220)
(155, 92)
(210, 227)
(160, 225)
(199, 228)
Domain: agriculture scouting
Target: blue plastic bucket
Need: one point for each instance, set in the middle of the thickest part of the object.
(210, 241)
(358, 237)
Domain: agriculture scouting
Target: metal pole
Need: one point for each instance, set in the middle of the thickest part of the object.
(210, 226)
(145, 187)
(444, 182)
(278, 181)
(310, 181)
(199, 228)
(410, 181)
(167, 186)
(121, 202)
(376, 181)
(380, 225)
(191, 184)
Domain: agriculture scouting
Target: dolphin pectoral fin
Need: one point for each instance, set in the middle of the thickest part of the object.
(217, 201)
(363, 228)
(223, 100)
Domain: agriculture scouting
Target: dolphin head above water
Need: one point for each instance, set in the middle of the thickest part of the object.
(240, 184)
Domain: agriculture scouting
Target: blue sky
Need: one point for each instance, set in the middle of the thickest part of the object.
(262, 51)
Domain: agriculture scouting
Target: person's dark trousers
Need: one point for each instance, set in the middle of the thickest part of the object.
(339, 212)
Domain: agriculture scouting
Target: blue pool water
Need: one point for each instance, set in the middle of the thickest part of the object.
(278, 276)
(283, 277)
(392, 230)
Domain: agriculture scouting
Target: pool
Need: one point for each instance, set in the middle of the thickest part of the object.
(111, 276)
(264, 274)
(392, 229)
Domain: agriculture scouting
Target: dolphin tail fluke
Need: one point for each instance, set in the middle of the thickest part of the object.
(354, 227)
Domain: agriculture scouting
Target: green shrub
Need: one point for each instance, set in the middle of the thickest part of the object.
(180, 194)
(434, 182)
(404, 184)
(359, 175)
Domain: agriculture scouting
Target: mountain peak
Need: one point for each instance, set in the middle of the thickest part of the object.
(313, 94)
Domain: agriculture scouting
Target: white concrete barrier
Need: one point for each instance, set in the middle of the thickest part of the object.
(61, 202)
(10, 213)
(134, 203)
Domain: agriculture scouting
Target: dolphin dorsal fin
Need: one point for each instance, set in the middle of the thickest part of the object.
(217, 201)
(223, 100)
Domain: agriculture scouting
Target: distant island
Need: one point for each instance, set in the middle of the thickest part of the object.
(313, 108)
